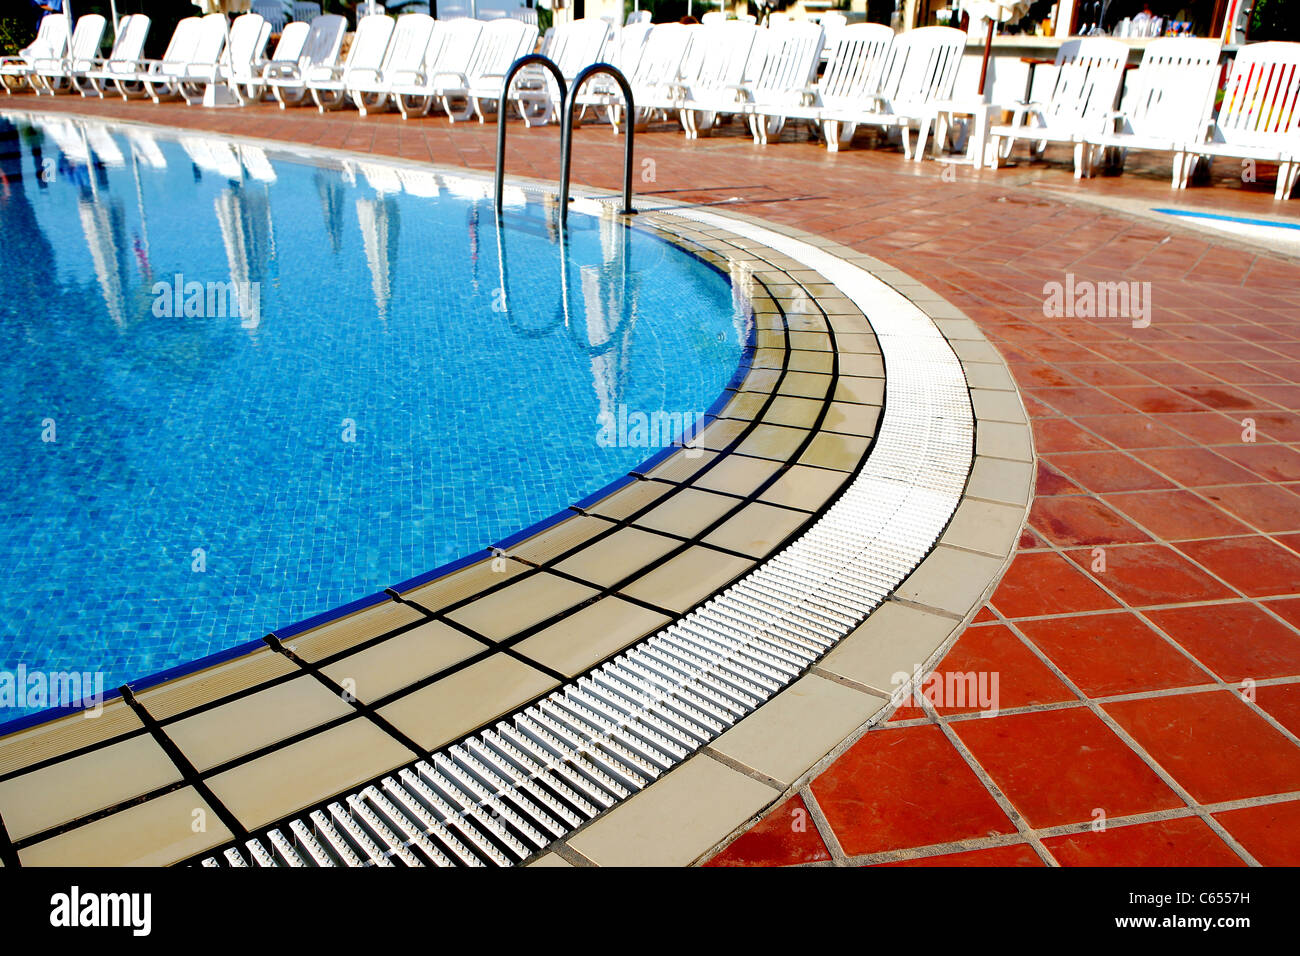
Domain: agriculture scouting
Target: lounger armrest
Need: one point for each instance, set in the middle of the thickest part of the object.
(743, 93)
(281, 69)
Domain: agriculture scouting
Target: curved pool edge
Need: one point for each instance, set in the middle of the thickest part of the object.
(16, 725)
(955, 328)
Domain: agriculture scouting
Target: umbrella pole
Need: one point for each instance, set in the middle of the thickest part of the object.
(984, 65)
(112, 7)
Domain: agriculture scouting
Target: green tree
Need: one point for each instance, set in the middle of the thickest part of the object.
(1274, 20)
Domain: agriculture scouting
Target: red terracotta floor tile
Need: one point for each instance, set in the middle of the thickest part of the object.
(1104, 471)
(1185, 841)
(1110, 654)
(1288, 610)
(1048, 481)
(896, 789)
(1061, 434)
(1235, 641)
(1270, 508)
(1131, 430)
(1017, 854)
(1270, 833)
(1221, 397)
(1282, 703)
(1073, 521)
(1043, 582)
(1195, 467)
(1212, 744)
(1270, 461)
(1210, 428)
(1255, 566)
(1142, 575)
(1079, 401)
(785, 837)
(1155, 399)
(989, 668)
(1058, 766)
(1175, 515)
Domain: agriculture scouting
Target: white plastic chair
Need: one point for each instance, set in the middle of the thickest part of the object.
(288, 50)
(792, 55)
(165, 82)
(371, 89)
(51, 43)
(51, 76)
(655, 81)
(919, 76)
(320, 52)
(712, 75)
(1259, 118)
(240, 62)
(130, 83)
(574, 46)
(855, 70)
(124, 59)
(1089, 72)
(329, 84)
(447, 60)
(1168, 103)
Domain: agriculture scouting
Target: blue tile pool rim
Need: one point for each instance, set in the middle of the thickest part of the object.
(332, 158)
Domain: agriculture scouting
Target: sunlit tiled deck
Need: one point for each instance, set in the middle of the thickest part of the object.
(1142, 449)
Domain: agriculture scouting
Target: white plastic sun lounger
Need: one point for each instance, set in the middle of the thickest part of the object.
(1089, 72)
(403, 62)
(288, 51)
(51, 43)
(624, 52)
(239, 63)
(1259, 118)
(655, 79)
(447, 59)
(320, 51)
(855, 71)
(573, 47)
(165, 81)
(793, 53)
(329, 84)
(919, 78)
(714, 70)
(127, 52)
(501, 43)
(51, 76)
(180, 51)
(1168, 104)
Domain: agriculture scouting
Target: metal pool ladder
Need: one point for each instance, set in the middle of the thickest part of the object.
(569, 97)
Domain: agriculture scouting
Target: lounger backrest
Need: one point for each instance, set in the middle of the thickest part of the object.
(923, 67)
(661, 60)
(132, 31)
(323, 42)
(249, 36)
(85, 41)
(1089, 72)
(211, 38)
(791, 58)
(407, 48)
(51, 39)
(857, 64)
(183, 44)
(628, 46)
(453, 46)
(292, 42)
(1260, 96)
(1172, 93)
(579, 44)
(501, 42)
(370, 44)
(719, 53)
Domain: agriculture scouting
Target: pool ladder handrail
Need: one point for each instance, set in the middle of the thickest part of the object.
(569, 99)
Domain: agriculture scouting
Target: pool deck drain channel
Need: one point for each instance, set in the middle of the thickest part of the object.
(504, 795)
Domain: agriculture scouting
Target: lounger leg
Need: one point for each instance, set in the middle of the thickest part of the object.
(831, 133)
(1080, 160)
(922, 136)
(905, 132)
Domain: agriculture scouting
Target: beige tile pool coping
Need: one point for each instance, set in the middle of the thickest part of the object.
(183, 767)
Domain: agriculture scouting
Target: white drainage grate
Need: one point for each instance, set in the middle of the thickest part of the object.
(501, 796)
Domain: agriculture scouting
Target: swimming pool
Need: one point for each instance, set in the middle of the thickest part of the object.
(245, 389)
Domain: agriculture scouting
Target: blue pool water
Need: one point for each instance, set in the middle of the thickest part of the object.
(175, 484)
